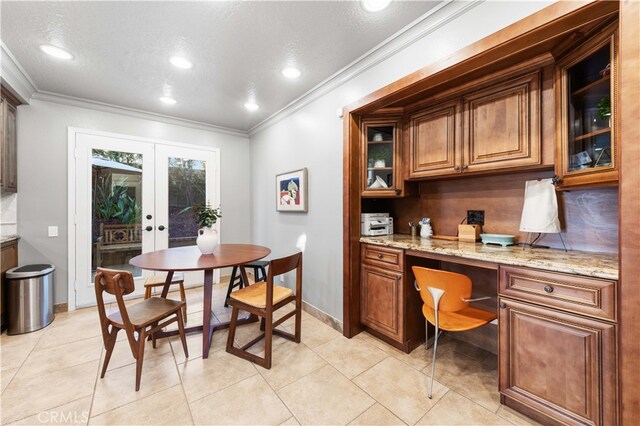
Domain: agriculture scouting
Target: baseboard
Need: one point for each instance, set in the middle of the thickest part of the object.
(60, 307)
(322, 316)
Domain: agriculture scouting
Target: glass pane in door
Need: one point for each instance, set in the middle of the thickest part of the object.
(187, 187)
(116, 219)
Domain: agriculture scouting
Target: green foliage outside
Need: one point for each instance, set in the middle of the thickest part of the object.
(113, 204)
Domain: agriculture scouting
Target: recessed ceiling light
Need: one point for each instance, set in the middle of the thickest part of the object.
(251, 106)
(291, 72)
(179, 62)
(167, 100)
(56, 52)
(375, 5)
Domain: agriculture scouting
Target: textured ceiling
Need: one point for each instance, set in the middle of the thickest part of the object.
(238, 49)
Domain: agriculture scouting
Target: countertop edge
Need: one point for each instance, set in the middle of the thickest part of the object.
(602, 273)
(9, 239)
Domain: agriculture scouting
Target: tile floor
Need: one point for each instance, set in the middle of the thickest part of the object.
(51, 376)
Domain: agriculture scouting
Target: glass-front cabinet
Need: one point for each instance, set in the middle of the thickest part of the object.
(586, 84)
(381, 157)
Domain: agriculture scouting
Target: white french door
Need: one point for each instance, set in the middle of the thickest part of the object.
(132, 196)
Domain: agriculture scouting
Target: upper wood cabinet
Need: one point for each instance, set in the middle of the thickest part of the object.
(381, 161)
(434, 141)
(8, 146)
(586, 94)
(487, 125)
(502, 125)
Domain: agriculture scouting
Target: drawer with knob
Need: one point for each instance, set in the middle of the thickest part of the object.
(589, 296)
(384, 257)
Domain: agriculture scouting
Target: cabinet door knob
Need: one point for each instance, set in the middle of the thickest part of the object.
(556, 180)
(399, 277)
(465, 167)
(548, 289)
(397, 192)
(380, 256)
(456, 168)
(503, 305)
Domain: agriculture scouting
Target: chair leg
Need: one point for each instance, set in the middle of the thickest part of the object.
(113, 334)
(262, 324)
(268, 341)
(183, 297)
(433, 362)
(181, 332)
(147, 292)
(140, 357)
(231, 284)
(232, 329)
(264, 273)
(298, 318)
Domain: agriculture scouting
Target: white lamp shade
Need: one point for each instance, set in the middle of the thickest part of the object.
(540, 209)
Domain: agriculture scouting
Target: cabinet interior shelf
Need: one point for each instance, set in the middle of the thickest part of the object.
(592, 134)
(589, 86)
(379, 168)
(379, 142)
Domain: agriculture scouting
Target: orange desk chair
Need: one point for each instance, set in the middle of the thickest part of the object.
(446, 296)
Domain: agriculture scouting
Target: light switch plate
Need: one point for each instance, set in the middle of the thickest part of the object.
(53, 231)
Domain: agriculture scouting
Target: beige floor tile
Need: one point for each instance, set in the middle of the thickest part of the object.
(464, 348)
(316, 333)
(291, 421)
(41, 361)
(325, 397)
(117, 388)
(400, 388)
(73, 413)
(514, 417)
(167, 407)
(14, 350)
(194, 344)
(290, 362)
(475, 380)
(350, 356)
(202, 377)
(418, 358)
(31, 395)
(70, 327)
(122, 355)
(6, 376)
(377, 415)
(249, 402)
(455, 409)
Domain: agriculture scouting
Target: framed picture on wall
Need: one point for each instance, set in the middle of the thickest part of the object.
(291, 191)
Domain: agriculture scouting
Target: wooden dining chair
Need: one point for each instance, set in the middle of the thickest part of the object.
(446, 296)
(263, 299)
(155, 281)
(259, 274)
(142, 319)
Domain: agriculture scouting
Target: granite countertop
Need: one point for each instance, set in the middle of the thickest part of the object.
(600, 265)
(8, 238)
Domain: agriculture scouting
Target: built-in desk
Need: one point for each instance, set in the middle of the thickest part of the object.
(557, 318)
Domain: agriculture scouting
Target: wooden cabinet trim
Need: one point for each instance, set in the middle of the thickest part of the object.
(573, 293)
(383, 257)
(599, 382)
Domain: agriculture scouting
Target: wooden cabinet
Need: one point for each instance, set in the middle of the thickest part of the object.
(557, 358)
(502, 125)
(8, 146)
(492, 127)
(8, 260)
(390, 308)
(586, 85)
(381, 157)
(434, 144)
(380, 301)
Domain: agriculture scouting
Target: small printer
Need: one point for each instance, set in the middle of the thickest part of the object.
(373, 224)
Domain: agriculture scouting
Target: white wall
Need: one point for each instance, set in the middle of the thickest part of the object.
(42, 175)
(312, 138)
(8, 214)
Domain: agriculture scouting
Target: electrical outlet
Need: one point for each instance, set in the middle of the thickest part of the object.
(52, 231)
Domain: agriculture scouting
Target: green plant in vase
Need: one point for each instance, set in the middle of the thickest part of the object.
(380, 154)
(206, 217)
(604, 108)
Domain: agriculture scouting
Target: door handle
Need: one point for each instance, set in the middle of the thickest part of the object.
(149, 228)
(161, 228)
(149, 216)
(503, 305)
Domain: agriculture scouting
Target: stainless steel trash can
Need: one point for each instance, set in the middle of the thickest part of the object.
(29, 299)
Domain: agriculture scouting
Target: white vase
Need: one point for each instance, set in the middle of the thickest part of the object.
(207, 240)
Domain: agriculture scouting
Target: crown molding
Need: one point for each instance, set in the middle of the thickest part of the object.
(16, 78)
(132, 112)
(415, 31)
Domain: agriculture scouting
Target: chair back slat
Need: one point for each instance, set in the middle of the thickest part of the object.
(285, 264)
(456, 287)
(112, 280)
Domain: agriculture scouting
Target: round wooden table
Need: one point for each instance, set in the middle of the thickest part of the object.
(190, 259)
